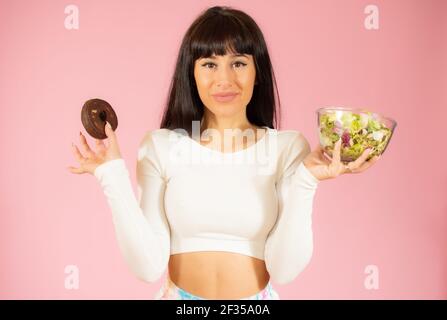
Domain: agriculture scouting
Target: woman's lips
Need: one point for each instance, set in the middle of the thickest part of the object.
(225, 98)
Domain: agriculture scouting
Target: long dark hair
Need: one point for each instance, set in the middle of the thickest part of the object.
(217, 31)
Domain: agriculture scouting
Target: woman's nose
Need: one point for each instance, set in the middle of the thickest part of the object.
(225, 74)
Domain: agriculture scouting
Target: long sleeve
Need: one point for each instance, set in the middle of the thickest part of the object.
(141, 227)
(289, 245)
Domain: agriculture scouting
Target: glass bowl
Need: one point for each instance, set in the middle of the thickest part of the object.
(359, 129)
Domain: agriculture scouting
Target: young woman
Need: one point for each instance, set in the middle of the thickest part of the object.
(225, 214)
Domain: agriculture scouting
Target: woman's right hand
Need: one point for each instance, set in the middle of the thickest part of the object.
(91, 160)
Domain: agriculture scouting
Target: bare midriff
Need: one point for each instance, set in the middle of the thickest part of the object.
(218, 275)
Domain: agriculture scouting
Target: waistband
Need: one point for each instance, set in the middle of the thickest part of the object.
(170, 285)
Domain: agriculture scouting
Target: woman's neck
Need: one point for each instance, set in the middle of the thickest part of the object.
(223, 124)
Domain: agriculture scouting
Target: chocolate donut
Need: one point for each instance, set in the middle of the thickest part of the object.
(94, 115)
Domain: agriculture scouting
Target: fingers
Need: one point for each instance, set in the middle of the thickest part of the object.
(79, 157)
(322, 156)
(368, 163)
(113, 143)
(358, 162)
(75, 170)
(109, 132)
(100, 145)
(363, 166)
(85, 145)
(336, 153)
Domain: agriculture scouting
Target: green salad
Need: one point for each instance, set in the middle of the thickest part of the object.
(358, 131)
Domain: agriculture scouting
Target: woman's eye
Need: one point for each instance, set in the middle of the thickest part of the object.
(240, 63)
(213, 64)
(208, 63)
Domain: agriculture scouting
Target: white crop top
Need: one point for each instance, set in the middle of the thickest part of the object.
(256, 202)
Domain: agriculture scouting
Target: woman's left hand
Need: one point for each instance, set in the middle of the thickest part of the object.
(322, 168)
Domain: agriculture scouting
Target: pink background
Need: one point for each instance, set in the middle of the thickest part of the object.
(393, 216)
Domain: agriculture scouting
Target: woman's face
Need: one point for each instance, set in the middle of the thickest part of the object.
(231, 73)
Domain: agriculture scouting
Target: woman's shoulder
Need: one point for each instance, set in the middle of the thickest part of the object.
(294, 148)
(290, 137)
(154, 141)
(159, 136)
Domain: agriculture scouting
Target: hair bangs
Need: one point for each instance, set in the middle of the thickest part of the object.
(221, 35)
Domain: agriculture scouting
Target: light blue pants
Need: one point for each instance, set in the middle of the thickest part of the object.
(169, 291)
